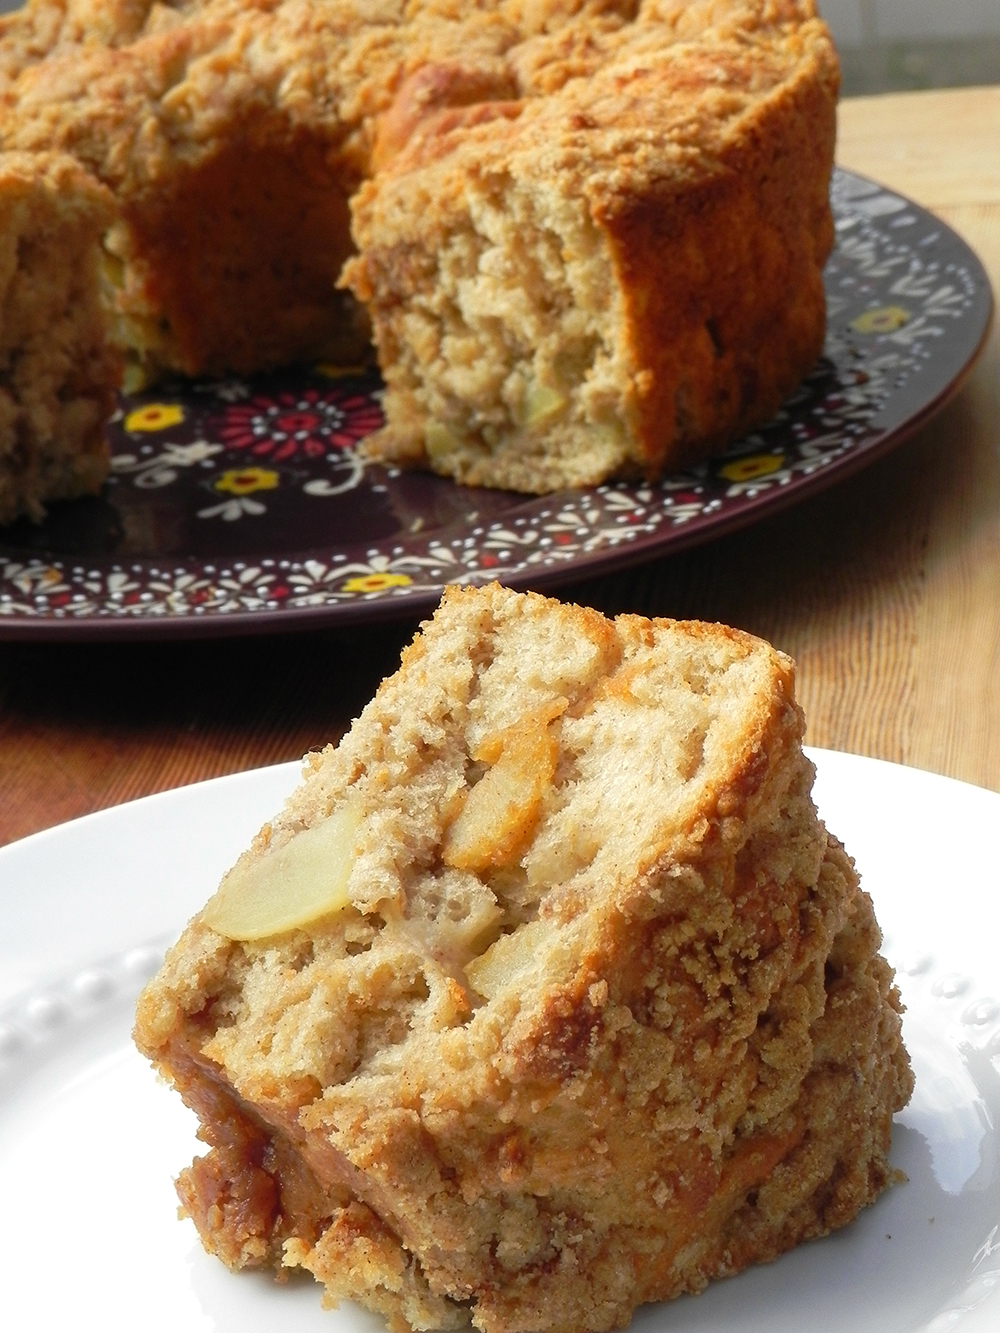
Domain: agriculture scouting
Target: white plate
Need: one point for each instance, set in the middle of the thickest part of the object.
(89, 1141)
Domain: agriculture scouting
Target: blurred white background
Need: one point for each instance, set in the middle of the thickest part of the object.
(888, 45)
(855, 22)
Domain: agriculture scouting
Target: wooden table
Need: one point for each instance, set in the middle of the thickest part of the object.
(886, 588)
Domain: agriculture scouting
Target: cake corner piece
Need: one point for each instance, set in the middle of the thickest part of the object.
(547, 994)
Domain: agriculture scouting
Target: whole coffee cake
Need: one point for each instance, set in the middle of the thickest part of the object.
(58, 371)
(588, 234)
(547, 994)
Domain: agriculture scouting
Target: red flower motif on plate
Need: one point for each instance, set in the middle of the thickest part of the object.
(308, 423)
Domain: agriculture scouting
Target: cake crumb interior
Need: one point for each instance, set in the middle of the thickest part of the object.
(603, 988)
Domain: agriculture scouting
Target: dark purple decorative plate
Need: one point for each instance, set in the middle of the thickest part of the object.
(243, 506)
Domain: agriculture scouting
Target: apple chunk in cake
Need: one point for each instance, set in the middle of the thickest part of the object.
(547, 993)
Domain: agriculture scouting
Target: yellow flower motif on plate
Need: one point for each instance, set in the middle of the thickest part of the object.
(751, 467)
(377, 582)
(886, 319)
(155, 416)
(244, 480)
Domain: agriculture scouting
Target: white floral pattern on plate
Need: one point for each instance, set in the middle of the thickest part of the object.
(277, 464)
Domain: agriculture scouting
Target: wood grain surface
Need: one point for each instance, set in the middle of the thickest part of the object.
(886, 588)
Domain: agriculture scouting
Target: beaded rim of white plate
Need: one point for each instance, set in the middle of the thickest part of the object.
(41, 1018)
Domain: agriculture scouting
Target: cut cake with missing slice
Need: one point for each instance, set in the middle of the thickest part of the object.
(547, 994)
(589, 234)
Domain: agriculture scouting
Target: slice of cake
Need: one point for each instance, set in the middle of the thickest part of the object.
(58, 370)
(547, 994)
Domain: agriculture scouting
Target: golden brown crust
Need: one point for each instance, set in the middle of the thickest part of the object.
(718, 344)
(41, 28)
(214, 242)
(684, 184)
(649, 1045)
